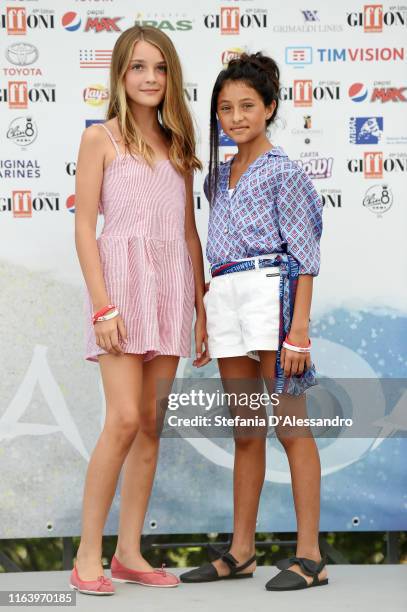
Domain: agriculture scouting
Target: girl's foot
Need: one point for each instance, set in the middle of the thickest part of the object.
(149, 577)
(321, 576)
(228, 567)
(223, 568)
(310, 572)
(89, 568)
(93, 582)
(133, 560)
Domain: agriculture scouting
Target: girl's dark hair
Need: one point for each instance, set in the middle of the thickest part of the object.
(259, 72)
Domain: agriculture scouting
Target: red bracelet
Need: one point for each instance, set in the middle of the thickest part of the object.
(287, 342)
(102, 311)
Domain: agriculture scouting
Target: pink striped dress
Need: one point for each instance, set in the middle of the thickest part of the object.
(145, 261)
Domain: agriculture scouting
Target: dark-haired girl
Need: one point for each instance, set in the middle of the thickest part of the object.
(263, 246)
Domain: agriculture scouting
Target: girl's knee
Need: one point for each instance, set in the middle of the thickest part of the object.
(124, 424)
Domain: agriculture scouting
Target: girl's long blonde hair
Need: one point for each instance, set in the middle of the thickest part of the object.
(174, 114)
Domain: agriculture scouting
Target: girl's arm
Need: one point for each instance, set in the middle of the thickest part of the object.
(300, 214)
(195, 251)
(89, 176)
(302, 308)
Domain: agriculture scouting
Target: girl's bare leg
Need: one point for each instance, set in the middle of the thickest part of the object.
(249, 465)
(140, 464)
(122, 381)
(303, 457)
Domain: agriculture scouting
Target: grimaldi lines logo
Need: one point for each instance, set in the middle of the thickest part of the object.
(22, 203)
(374, 19)
(232, 20)
(374, 164)
(18, 94)
(303, 92)
(17, 21)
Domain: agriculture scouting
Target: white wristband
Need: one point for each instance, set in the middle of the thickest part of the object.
(108, 316)
(296, 349)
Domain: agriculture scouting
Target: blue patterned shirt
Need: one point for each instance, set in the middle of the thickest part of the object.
(274, 208)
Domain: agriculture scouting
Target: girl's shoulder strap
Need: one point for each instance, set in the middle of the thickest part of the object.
(111, 138)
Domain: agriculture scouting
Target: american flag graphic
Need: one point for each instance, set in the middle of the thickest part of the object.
(95, 58)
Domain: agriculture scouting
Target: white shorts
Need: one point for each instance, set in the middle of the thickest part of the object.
(243, 312)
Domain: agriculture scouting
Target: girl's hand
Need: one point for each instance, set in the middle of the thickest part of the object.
(201, 340)
(294, 363)
(107, 335)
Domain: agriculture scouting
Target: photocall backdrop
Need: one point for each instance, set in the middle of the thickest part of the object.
(342, 117)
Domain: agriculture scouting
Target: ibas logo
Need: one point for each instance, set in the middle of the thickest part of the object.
(230, 20)
(16, 21)
(164, 22)
(374, 19)
(365, 130)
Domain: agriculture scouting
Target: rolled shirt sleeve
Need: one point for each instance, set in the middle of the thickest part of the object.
(206, 187)
(300, 219)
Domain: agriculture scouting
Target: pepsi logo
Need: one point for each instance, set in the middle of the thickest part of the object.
(357, 92)
(71, 21)
(70, 203)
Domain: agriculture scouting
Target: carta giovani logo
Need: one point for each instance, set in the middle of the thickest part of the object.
(365, 130)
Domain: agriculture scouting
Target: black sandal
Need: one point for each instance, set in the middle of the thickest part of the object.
(208, 573)
(215, 551)
(286, 580)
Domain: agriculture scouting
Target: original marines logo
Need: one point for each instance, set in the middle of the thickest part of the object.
(378, 199)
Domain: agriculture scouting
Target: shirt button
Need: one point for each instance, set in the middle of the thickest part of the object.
(225, 231)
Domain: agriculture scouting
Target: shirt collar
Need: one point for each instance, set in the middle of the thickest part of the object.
(276, 151)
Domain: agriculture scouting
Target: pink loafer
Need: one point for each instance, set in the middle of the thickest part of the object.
(101, 586)
(157, 578)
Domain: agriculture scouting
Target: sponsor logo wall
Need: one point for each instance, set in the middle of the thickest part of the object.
(342, 118)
